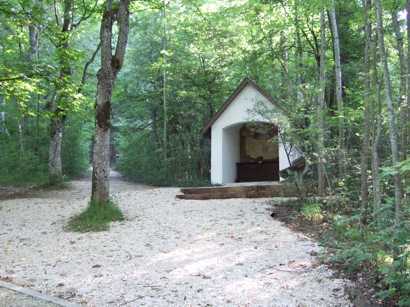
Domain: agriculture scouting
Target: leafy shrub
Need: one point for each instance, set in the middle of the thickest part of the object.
(379, 249)
(312, 212)
(21, 166)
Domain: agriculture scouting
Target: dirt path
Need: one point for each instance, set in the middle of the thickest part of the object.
(167, 253)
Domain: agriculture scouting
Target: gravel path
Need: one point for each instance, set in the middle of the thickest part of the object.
(9, 298)
(167, 253)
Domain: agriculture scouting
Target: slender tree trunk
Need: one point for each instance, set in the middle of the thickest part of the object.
(33, 55)
(376, 120)
(33, 41)
(164, 79)
(321, 108)
(299, 57)
(402, 88)
(33, 36)
(55, 169)
(390, 109)
(400, 50)
(110, 66)
(406, 108)
(287, 85)
(364, 163)
(406, 111)
(339, 91)
(21, 135)
(20, 127)
(3, 127)
(375, 156)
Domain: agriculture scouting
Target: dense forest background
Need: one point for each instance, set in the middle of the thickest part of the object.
(341, 69)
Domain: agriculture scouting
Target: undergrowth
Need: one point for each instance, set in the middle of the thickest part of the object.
(361, 243)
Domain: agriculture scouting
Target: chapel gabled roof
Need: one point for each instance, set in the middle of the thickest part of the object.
(244, 83)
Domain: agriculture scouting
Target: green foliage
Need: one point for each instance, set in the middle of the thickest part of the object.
(96, 217)
(76, 147)
(31, 79)
(312, 212)
(20, 167)
(142, 162)
(378, 250)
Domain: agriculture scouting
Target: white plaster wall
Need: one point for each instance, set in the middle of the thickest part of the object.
(216, 156)
(225, 133)
(230, 153)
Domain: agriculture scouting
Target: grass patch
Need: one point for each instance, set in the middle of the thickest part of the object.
(96, 217)
(56, 184)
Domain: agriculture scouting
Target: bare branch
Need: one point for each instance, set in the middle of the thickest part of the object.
(56, 14)
(89, 62)
(7, 79)
(87, 14)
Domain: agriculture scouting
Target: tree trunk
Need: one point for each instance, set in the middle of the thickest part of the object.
(339, 91)
(406, 111)
(3, 127)
(375, 158)
(402, 88)
(33, 55)
(164, 80)
(393, 133)
(299, 57)
(364, 161)
(55, 170)
(110, 66)
(33, 36)
(405, 143)
(376, 120)
(321, 108)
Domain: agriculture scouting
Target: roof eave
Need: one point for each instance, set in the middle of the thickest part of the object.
(246, 81)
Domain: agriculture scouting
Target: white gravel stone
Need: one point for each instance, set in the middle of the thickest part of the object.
(167, 253)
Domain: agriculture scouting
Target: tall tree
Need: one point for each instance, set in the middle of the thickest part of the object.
(364, 161)
(57, 108)
(111, 64)
(406, 131)
(164, 77)
(375, 114)
(393, 133)
(61, 104)
(402, 86)
(321, 108)
(338, 89)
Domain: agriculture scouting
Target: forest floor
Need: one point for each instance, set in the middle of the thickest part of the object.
(167, 252)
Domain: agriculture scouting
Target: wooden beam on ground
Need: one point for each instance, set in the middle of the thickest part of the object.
(245, 191)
